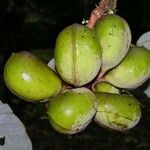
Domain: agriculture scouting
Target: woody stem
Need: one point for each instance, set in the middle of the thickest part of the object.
(100, 10)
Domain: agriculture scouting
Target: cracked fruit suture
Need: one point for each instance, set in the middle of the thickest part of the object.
(77, 55)
(30, 78)
(117, 112)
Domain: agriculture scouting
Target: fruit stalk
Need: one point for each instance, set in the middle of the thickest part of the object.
(103, 7)
(99, 79)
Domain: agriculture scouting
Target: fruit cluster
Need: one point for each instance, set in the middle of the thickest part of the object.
(91, 68)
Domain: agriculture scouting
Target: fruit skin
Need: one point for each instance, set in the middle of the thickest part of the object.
(77, 55)
(106, 87)
(133, 71)
(29, 78)
(114, 36)
(71, 111)
(117, 112)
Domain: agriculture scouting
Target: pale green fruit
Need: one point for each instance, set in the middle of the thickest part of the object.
(77, 55)
(132, 71)
(114, 37)
(71, 111)
(29, 78)
(118, 112)
(106, 87)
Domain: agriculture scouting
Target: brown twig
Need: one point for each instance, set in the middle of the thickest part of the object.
(99, 79)
(103, 7)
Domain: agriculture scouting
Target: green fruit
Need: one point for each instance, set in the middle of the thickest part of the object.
(133, 70)
(106, 87)
(77, 55)
(114, 37)
(71, 111)
(29, 78)
(118, 112)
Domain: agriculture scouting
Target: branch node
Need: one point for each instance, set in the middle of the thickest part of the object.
(103, 8)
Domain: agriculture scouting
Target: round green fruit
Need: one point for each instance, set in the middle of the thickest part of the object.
(117, 112)
(71, 111)
(133, 71)
(106, 87)
(77, 55)
(29, 78)
(114, 36)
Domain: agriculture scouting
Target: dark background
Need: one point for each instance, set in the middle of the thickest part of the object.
(34, 25)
